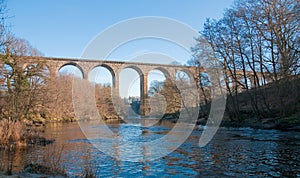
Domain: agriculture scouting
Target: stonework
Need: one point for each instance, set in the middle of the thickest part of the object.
(115, 67)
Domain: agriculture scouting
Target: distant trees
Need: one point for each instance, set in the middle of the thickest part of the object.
(165, 98)
(109, 106)
(257, 42)
(170, 97)
(58, 100)
(155, 87)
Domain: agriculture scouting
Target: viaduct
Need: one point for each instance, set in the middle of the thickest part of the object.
(115, 67)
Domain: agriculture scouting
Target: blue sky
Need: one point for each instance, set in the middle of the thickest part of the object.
(64, 28)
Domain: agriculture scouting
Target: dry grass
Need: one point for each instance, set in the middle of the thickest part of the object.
(14, 133)
(48, 160)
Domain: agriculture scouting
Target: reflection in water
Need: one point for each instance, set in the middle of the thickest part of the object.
(129, 134)
(232, 153)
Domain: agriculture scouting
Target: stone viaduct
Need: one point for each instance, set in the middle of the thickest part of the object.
(115, 67)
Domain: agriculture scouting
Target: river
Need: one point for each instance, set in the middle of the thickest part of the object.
(233, 152)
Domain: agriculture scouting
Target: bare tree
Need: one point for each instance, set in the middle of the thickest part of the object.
(257, 42)
(155, 87)
(21, 86)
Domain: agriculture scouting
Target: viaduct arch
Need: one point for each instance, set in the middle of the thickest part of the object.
(115, 67)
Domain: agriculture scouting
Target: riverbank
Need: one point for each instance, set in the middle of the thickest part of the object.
(284, 124)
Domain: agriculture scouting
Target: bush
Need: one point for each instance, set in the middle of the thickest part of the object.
(14, 133)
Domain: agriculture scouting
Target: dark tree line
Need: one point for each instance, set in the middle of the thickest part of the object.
(257, 43)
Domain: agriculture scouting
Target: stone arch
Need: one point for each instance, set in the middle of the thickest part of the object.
(6, 71)
(204, 79)
(183, 76)
(141, 75)
(143, 78)
(46, 69)
(162, 70)
(110, 69)
(156, 79)
(36, 73)
(143, 88)
(188, 72)
(137, 69)
(75, 65)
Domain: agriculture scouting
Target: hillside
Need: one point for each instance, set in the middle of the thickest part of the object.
(273, 106)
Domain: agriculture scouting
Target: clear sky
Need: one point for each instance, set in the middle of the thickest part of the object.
(63, 28)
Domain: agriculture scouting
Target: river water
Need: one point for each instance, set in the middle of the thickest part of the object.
(233, 152)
